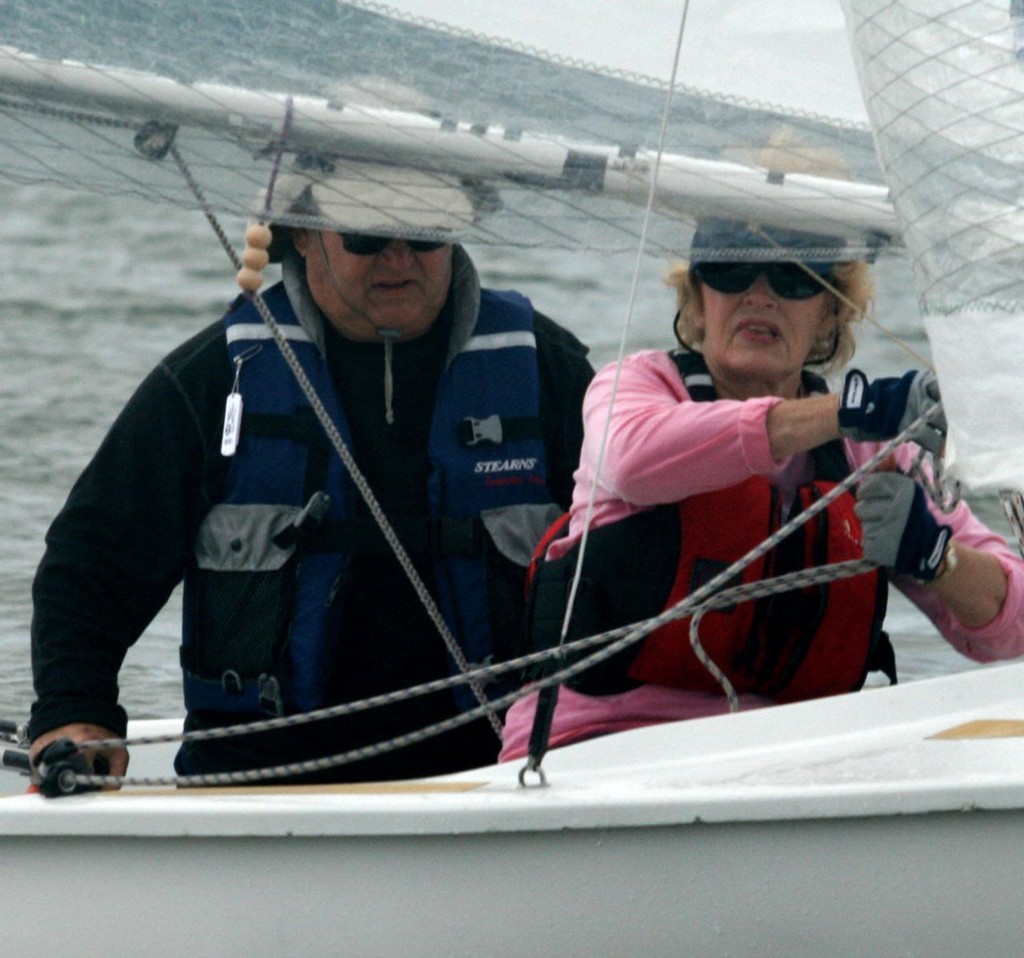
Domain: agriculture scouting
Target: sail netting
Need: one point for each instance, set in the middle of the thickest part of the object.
(530, 109)
(944, 86)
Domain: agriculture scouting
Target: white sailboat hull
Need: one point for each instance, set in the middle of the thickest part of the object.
(946, 884)
(843, 826)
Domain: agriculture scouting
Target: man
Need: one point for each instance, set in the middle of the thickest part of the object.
(462, 409)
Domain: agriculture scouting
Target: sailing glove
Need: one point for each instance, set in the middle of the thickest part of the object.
(883, 408)
(899, 532)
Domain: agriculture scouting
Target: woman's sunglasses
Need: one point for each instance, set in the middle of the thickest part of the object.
(363, 245)
(788, 280)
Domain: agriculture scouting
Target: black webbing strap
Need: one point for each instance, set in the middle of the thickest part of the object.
(699, 384)
(540, 733)
(419, 536)
(700, 387)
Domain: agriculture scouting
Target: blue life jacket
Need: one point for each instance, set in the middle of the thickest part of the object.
(263, 602)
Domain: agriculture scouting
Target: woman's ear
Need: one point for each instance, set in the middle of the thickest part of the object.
(830, 312)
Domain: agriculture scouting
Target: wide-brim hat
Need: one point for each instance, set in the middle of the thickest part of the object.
(371, 198)
(725, 240)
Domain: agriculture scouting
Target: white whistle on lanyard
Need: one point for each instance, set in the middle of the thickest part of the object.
(232, 424)
(232, 431)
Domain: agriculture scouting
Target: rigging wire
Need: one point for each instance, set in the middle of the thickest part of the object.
(547, 701)
(631, 302)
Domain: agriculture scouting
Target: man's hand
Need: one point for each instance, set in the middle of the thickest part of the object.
(899, 531)
(883, 408)
(115, 759)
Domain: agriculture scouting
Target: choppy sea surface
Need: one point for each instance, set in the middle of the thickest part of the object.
(94, 291)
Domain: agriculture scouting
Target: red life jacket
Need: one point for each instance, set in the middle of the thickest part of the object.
(790, 646)
(795, 645)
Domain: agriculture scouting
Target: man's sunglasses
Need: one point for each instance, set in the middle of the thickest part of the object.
(788, 280)
(362, 245)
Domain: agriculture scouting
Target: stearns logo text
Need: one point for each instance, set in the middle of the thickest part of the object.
(506, 465)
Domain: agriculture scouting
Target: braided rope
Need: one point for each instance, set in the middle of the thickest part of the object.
(614, 641)
(60, 113)
(945, 492)
(800, 579)
(211, 218)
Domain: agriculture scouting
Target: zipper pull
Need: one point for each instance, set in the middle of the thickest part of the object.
(232, 431)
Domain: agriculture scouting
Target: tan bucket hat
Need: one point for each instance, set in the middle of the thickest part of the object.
(370, 198)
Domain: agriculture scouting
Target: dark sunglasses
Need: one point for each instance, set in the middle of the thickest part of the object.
(362, 245)
(788, 280)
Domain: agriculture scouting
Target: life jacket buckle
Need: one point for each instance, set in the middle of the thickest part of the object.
(271, 699)
(473, 431)
(309, 518)
(232, 682)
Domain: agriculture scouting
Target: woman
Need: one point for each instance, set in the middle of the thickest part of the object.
(711, 448)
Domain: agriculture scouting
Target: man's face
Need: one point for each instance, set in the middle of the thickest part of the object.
(396, 289)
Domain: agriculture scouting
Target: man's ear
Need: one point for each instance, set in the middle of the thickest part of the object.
(300, 240)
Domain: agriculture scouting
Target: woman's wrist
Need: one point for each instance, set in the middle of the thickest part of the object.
(950, 560)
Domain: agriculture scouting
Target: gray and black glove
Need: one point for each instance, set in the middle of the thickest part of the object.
(883, 408)
(899, 531)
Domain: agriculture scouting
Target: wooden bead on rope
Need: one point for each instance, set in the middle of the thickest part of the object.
(255, 257)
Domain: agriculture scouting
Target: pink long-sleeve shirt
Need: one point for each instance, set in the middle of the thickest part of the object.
(663, 447)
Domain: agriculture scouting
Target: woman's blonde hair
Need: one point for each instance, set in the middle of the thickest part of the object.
(852, 282)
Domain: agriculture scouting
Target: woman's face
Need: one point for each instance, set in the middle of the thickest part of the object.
(756, 342)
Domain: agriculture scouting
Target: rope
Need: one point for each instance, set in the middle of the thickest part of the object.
(614, 641)
(800, 579)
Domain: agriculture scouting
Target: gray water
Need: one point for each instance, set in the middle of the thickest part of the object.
(96, 290)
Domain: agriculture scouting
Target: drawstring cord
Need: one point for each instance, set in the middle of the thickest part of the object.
(389, 336)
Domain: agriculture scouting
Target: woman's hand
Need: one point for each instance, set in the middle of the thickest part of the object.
(901, 534)
(883, 408)
(899, 531)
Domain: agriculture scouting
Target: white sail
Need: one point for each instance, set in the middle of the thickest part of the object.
(944, 85)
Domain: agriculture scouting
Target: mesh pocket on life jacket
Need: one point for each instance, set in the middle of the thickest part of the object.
(241, 620)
